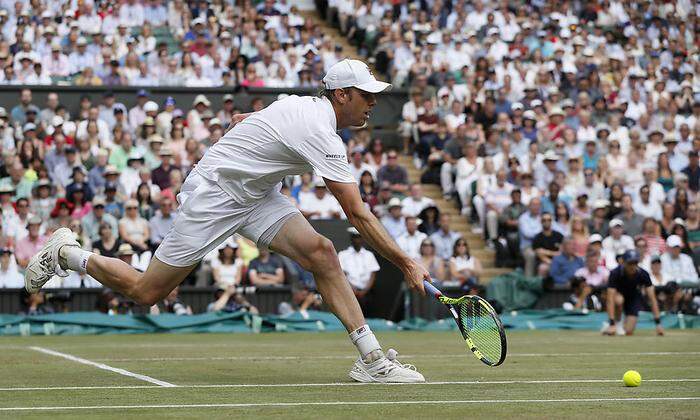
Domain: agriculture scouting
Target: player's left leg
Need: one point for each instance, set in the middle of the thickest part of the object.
(298, 240)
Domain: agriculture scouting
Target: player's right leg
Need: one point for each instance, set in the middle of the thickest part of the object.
(298, 240)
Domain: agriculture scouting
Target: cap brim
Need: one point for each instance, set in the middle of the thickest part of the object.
(374, 86)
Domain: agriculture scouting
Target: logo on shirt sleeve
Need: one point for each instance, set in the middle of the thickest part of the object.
(335, 157)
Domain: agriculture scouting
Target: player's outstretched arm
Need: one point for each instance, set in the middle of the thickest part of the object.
(374, 233)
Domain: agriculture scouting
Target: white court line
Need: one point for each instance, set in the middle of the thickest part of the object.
(414, 356)
(346, 403)
(103, 366)
(341, 384)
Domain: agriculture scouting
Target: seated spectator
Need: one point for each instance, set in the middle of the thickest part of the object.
(646, 207)
(629, 216)
(651, 233)
(161, 223)
(107, 243)
(595, 277)
(29, 246)
(266, 270)
(229, 300)
(43, 202)
(616, 244)
(360, 267)
(413, 205)
(172, 305)
(676, 266)
(444, 238)
(227, 270)
(546, 244)
(368, 189)
(393, 174)
(430, 220)
(81, 204)
(464, 268)
(410, 241)
(134, 230)
(496, 198)
(393, 221)
(669, 293)
(432, 263)
(10, 277)
(358, 166)
(579, 236)
(564, 265)
(320, 205)
(529, 226)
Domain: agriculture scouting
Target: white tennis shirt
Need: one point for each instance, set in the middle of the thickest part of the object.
(291, 136)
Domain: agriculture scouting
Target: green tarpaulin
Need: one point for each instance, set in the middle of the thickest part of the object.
(514, 290)
(84, 323)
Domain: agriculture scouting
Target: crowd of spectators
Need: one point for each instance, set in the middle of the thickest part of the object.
(567, 132)
(161, 43)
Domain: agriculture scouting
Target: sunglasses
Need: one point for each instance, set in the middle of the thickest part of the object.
(131, 208)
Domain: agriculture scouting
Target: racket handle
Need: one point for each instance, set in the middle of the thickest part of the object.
(431, 289)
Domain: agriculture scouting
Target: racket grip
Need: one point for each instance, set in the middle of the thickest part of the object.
(431, 289)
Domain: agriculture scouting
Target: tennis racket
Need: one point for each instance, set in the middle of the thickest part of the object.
(478, 323)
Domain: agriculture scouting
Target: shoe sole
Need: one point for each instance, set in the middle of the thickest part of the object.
(53, 240)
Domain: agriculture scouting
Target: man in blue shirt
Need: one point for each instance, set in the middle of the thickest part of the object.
(529, 225)
(565, 264)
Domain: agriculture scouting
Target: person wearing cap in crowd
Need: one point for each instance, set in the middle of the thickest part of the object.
(137, 114)
(215, 132)
(676, 266)
(616, 243)
(360, 267)
(194, 117)
(410, 241)
(320, 204)
(95, 178)
(227, 197)
(393, 221)
(10, 277)
(80, 58)
(164, 119)
(624, 296)
(31, 244)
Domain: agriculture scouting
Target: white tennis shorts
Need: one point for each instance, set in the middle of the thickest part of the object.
(208, 215)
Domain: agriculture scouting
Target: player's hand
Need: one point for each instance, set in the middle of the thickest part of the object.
(414, 274)
(610, 331)
(659, 330)
(238, 118)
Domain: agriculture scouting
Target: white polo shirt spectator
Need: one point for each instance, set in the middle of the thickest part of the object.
(393, 221)
(675, 265)
(410, 241)
(358, 266)
(616, 244)
(320, 204)
(413, 205)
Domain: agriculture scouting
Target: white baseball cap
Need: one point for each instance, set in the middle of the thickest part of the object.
(674, 241)
(353, 73)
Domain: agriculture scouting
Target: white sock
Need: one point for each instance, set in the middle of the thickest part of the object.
(363, 338)
(75, 258)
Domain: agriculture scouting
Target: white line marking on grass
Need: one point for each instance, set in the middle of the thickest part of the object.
(103, 366)
(346, 403)
(340, 384)
(414, 356)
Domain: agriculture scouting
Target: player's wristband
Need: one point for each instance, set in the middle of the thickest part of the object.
(657, 321)
(611, 322)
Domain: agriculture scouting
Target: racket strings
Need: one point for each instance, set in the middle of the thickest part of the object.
(482, 329)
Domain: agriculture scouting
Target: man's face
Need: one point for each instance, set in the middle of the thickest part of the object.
(33, 230)
(357, 106)
(320, 192)
(392, 160)
(411, 225)
(630, 267)
(675, 251)
(356, 241)
(166, 207)
(546, 222)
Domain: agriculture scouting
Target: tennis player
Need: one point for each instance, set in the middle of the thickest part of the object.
(235, 189)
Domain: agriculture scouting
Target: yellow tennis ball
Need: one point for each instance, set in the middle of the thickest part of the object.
(632, 378)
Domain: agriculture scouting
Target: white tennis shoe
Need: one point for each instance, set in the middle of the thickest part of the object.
(386, 369)
(45, 264)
